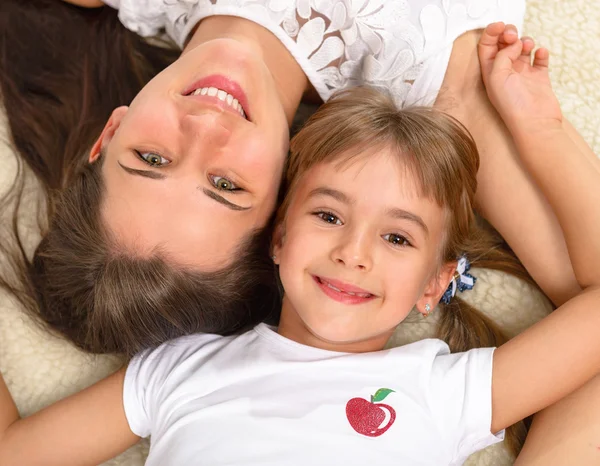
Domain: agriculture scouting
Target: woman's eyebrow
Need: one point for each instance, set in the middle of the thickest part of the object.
(159, 176)
(145, 173)
(222, 200)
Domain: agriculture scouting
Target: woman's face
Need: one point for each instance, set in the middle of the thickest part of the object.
(193, 175)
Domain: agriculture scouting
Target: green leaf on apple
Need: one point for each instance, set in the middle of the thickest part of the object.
(381, 394)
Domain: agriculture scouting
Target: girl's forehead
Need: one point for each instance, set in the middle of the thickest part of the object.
(374, 169)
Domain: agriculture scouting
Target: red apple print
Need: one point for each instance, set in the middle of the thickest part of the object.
(366, 417)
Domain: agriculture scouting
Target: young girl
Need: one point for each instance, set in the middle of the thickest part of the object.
(376, 215)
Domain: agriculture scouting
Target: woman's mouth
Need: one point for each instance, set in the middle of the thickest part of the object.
(222, 96)
(343, 292)
(223, 91)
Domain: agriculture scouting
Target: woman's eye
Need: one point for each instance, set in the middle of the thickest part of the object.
(396, 240)
(153, 159)
(329, 218)
(223, 184)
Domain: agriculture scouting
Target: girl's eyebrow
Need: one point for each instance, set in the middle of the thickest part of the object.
(394, 212)
(337, 195)
(406, 215)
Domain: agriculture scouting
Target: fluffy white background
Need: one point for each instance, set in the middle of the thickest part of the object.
(41, 369)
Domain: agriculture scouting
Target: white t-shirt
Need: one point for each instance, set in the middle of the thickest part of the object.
(398, 46)
(260, 399)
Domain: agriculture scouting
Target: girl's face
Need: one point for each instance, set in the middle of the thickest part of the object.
(192, 174)
(359, 247)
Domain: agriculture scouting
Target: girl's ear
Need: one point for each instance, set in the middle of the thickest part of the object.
(108, 132)
(278, 237)
(436, 288)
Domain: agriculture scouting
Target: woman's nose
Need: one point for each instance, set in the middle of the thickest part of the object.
(205, 129)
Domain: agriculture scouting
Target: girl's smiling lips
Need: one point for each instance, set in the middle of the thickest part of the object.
(343, 292)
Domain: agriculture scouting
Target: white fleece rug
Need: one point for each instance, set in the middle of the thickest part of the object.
(41, 369)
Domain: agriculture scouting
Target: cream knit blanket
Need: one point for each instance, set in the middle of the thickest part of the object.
(41, 369)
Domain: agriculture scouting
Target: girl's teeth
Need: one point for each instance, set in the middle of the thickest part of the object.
(223, 96)
(360, 295)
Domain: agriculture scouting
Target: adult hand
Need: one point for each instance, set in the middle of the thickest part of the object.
(518, 86)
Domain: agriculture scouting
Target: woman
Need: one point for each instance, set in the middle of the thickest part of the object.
(171, 209)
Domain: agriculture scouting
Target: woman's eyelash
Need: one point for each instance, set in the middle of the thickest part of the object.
(328, 217)
(397, 240)
(153, 159)
(223, 184)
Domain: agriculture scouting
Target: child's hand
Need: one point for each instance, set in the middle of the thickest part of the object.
(520, 91)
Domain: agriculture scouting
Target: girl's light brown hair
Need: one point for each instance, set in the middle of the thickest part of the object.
(440, 153)
(63, 70)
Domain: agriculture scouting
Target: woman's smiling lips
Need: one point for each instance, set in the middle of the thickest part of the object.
(343, 292)
(221, 83)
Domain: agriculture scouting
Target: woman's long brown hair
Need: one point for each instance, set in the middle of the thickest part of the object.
(441, 154)
(63, 69)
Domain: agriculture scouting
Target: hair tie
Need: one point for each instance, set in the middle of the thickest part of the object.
(461, 280)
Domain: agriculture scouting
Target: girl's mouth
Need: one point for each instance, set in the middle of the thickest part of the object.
(343, 292)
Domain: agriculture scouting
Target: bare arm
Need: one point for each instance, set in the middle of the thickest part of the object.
(87, 428)
(504, 185)
(562, 352)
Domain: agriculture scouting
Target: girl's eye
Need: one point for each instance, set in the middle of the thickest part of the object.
(153, 159)
(223, 184)
(396, 240)
(328, 218)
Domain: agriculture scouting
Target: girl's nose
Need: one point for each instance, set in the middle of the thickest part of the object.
(354, 251)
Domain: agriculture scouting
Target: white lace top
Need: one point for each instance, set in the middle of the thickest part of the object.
(398, 46)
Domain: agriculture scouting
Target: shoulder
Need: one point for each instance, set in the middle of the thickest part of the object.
(144, 17)
(197, 346)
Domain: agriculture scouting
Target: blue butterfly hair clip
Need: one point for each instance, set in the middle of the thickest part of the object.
(461, 280)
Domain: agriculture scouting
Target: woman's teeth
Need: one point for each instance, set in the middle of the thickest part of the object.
(221, 95)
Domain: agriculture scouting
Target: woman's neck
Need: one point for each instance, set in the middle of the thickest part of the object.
(290, 80)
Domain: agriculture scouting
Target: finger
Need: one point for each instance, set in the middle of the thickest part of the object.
(509, 36)
(488, 46)
(528, 46)
(507, 56)
(491, 35)
(541, 58)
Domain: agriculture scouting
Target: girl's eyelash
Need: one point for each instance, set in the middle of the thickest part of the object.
(332, 219)
(323, 215)
(163, 161)
(403, 241)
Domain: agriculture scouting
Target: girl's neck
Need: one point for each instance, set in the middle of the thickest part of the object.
(293, 327)
(290, 80)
